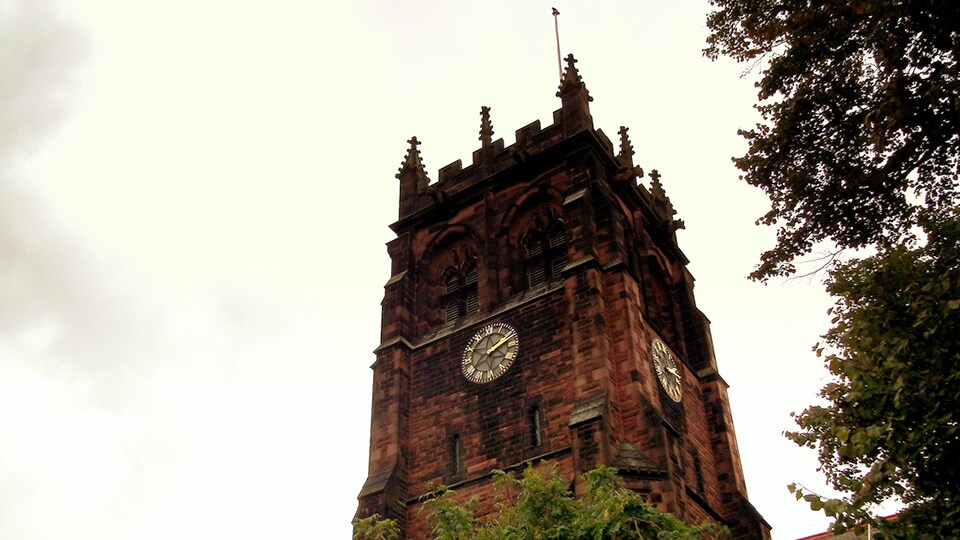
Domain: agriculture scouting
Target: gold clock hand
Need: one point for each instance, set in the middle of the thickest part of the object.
(505, 339)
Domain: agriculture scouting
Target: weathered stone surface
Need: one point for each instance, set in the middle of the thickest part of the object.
(601, 278)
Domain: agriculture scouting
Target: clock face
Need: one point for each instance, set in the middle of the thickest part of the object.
(666, 369)
(490, 352)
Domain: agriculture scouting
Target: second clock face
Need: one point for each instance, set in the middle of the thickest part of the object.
(666, 369)
(490, 352)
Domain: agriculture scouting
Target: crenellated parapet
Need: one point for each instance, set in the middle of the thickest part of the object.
(492, 158)
(494, 164)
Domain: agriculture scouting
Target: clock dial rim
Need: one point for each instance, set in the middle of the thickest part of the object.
(503, 339)
(662, 361)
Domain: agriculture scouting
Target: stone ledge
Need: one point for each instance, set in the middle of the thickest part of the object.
(588, 409)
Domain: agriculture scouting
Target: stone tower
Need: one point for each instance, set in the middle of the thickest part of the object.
(539, 308)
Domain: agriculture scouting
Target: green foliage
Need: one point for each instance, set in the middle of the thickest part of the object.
(890, 427)
(539, 506)
(859, 145)
(375, 528)
(860, 104)
(449, 520)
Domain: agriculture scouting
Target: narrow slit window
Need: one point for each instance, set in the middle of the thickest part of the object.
(698, 472)
(455, 454)
(536, 427)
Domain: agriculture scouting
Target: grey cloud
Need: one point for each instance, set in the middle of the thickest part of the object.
(41, 51)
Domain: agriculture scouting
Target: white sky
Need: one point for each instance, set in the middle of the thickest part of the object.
(194, 200)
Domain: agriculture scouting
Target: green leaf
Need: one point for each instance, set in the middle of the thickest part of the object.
(537, 505)
(857, 148)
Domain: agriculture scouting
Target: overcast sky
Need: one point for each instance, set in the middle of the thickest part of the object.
(194, 201)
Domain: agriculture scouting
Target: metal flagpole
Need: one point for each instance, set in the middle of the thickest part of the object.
(556, 28)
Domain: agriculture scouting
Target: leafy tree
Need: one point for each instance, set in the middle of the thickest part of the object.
(860, 104)
(375, 528)
(859, 146)
(540, 506)
(891, 425)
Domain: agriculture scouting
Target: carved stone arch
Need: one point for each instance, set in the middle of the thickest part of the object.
(540, 241)
(532, 251)
(656, 262)
(450, 247)
(449, 268)
(457, 255)
(538, 195)
(539, 203)
(541, 218)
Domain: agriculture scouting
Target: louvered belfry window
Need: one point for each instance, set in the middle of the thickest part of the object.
(452, 307)
(558, 249)
(544, 253)
(536, 272)
(461, 297)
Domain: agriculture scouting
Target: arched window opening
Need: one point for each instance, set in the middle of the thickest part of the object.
(544, 253)
(461, 295)
(533, 260)
(558, 248)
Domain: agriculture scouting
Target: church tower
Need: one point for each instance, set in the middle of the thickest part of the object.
(539, 308)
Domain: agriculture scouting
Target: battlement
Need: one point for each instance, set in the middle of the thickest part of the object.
(416, 192)
(418, 196)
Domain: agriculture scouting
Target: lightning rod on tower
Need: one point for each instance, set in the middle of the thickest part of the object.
(556, 29)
